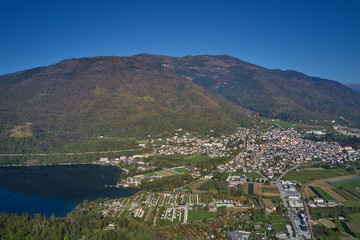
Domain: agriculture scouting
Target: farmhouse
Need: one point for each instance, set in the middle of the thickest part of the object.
(235, 180)
(318, 200)
(270, 209)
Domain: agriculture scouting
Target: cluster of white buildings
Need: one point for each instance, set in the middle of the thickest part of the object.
(346, 131)
(190, 144)
(272, 152)
(320, 202)
(236, 180)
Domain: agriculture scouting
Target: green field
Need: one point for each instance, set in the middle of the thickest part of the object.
(250, 175)
(200, 214)
(279, 122)
(344, 194)
(342, 171)
(352, 204)
(349, 188)
(255, 202)
(250, 188)
(321, 193)
(271, 219)
(164, 173)
(181, 170)
(207, 186)
(279, 227)
(269, 190)
(355, 217)
(308, 175)
(352, 186)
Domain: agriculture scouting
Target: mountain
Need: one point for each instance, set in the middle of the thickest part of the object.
(67, 105)
(287, 95)
(354, 86)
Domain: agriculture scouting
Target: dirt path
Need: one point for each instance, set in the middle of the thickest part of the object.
(148, 214)
(156, 215)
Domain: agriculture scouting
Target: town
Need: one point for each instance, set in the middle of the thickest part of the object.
(257, 162)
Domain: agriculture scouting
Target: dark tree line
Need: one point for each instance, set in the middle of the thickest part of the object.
(24, 226)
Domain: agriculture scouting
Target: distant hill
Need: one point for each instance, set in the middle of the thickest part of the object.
(354, 86)
(287, 95)
(77, 100)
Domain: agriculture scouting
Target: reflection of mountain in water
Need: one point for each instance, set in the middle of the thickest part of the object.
(71, 184)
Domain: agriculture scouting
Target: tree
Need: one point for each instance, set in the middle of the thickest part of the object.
(206, 208)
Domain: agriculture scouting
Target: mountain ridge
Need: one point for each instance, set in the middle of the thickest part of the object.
(288, 95)
(81, 98)
(354, 86)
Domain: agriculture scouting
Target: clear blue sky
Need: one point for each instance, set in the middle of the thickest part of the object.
(318, 37)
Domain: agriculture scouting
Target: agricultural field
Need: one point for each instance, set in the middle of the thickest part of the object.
(255, 202)
(325, 190)
(208, 186)
(308, 175)
(195, 185)
(354, 227)
(328, 223)
(249, 175)
(321, 193)
(355, 217)
(267, 202)
(345, 227)
(200, 214)
(353, 186)
(272, 219)
(180, 170)
(270, 191)
(348, 188)
(279, 227)
(250, 188)
(261, 190)
(347, 196)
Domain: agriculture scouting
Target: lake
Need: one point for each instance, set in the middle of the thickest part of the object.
(56, 189)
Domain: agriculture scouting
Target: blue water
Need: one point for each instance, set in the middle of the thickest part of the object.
(22, 203)
(56, 189)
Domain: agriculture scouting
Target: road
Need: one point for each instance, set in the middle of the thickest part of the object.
(307, 209)
(284, 173)
(293, 216)
(55, 154)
